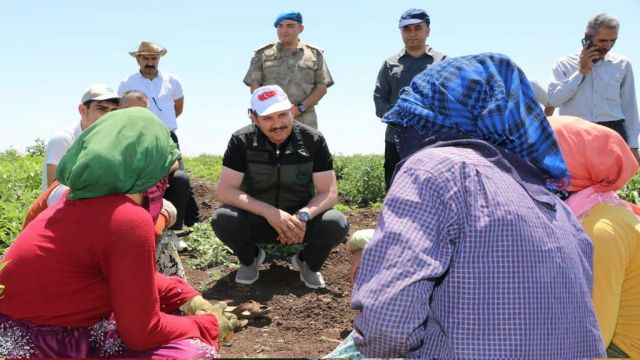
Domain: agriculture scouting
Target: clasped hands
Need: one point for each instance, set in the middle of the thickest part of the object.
(290, 229)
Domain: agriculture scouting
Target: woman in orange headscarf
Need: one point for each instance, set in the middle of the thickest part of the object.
(600, 162)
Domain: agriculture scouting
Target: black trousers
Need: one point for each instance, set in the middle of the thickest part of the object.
(174, 137)
(391, 159)
(178, 194)
(617, 126)
(181, 195)
(241, 231)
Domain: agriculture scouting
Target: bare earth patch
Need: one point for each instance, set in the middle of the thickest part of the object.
(303, 323)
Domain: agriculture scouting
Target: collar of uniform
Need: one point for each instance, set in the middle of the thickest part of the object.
(294, 142)
(280, 47)
(427, 50)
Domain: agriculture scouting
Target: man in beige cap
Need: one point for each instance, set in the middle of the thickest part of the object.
(298, 68)
(96, 101)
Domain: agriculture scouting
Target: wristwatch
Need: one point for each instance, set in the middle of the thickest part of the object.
(303, 216)
(302, 107)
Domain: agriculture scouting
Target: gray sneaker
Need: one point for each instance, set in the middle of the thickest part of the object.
(249, 274)
(311, 279)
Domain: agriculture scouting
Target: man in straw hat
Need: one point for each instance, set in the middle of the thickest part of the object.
(166, 101)
(164, 90)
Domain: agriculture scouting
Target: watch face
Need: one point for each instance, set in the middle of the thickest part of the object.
(303, 216)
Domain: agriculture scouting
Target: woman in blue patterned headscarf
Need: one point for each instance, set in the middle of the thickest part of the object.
(485, 97)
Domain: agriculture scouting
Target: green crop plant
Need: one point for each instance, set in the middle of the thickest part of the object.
(204, 167)
(208, 251)
(20, 176)
(631, 191)
(360, 179)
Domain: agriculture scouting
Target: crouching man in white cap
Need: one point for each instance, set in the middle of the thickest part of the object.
(278, 186)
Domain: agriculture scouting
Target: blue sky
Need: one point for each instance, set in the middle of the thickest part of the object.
(53, 50)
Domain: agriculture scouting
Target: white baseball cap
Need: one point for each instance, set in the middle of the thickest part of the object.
(99, 92)
(269, 99)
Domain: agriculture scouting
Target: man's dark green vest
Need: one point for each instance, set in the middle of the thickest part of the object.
(280, 176)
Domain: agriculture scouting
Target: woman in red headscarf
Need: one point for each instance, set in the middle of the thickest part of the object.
(600, 162)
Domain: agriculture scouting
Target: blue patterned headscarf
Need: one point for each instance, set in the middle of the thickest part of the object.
(485, 97)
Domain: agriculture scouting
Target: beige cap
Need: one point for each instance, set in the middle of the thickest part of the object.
(99, 92)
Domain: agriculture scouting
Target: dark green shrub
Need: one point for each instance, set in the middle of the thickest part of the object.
(360, 179)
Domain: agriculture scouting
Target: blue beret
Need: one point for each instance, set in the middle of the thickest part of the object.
(288, 15)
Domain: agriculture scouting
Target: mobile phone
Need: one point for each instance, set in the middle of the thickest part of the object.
(587, 40)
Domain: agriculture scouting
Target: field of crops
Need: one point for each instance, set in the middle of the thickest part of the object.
(360, 182)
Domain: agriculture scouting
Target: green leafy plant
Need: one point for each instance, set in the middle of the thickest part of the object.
(342, 208)
(631, 191)
(206, 167)
(38, 149)
(208, 250)
(20, 176)
(283, 251)
(377, 206)
(360, 179)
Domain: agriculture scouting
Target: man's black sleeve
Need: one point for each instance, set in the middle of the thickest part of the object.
(235, 155)
(322, 160)
(382, 91)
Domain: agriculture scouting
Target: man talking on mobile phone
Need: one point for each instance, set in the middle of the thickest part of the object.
(596, 84)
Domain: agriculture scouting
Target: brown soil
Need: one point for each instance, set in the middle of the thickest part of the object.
(303, 323)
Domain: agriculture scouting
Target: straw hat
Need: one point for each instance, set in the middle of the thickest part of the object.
(148, 48)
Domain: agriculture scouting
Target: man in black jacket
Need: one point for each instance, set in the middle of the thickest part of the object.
(278, 186)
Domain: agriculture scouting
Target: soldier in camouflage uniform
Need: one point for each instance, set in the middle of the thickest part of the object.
(298, 68)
